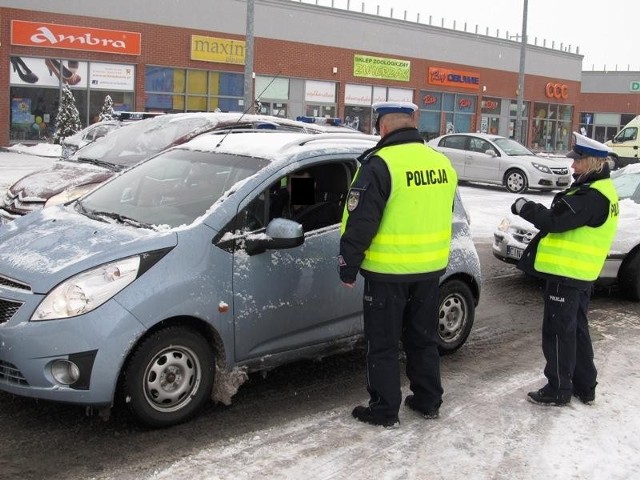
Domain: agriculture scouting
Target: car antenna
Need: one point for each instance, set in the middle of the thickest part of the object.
(251, 105)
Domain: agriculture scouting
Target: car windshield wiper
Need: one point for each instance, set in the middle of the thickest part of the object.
(99, 163)
(98, 215)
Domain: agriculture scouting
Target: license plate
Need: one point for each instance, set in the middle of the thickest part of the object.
(514, 252)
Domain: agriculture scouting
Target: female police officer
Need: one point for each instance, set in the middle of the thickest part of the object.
(569, 252)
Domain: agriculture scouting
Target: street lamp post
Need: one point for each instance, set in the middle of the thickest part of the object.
(248, 60)
(523, 50)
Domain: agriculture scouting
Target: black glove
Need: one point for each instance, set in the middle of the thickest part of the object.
(517, 205)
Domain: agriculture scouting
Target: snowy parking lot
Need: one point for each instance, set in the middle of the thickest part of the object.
(487, 430)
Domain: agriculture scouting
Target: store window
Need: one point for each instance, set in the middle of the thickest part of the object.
(490, 115)
(272, 96)
(442, 112)
(551, 127)
(358, 100)
(180, 90)
(320, 99)
(36, 84)
(524, 122)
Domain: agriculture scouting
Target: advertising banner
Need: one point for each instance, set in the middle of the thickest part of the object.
(219, 50)
(382, 68)
(112, 76)
(52, 35)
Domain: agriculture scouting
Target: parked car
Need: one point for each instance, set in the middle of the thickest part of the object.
(87, 135)
(87, 168)
(622, 266)
(485, 158)
(177, 277)
(625, 145)
(98, 130)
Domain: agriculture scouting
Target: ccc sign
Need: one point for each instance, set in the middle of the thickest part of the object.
(556, 90)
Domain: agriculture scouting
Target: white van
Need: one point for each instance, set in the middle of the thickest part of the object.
(625, 144)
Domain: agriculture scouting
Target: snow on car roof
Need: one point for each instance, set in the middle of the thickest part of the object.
(271, 145)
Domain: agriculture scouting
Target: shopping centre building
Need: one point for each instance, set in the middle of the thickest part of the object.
(308, 59)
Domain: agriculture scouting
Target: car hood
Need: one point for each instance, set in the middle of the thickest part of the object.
(48, 246)
(43, 184)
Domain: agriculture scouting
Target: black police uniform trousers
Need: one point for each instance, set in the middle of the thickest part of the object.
(566, 342)
(407, 311)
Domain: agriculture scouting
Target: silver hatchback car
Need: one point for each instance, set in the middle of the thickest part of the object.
(479, 157)
(167, 284)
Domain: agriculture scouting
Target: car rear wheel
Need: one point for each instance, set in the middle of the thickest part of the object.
(457, 311)
(515, 181)
(169, 377)
(629, 277)
(613, 162)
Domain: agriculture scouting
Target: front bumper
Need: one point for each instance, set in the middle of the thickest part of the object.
(98, 342)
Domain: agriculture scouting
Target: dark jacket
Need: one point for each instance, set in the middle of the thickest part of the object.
(374, 183)
(586, 206)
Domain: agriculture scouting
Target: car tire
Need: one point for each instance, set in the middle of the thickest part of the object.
(629, 277)
(515, 181)
(456, 314)
(169, 377)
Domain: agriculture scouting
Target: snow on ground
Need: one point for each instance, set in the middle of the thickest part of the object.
(487, 433)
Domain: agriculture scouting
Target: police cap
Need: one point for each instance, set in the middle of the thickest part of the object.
(382, 108)
(587, 147)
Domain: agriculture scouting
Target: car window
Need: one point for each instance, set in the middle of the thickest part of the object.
(511, 147)
(312, 196)
(172, 189)
(456, 141)
(627, 185)
(479, 145)
(627, 135)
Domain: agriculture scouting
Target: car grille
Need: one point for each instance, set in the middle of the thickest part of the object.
(523, 236)
(560, 171)
(10, 374)
(18, 205)
(8, 310)
(7, 282)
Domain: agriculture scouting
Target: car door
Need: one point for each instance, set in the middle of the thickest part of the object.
(626, 143)
(480, 165)
(292, 298)
(454, 147)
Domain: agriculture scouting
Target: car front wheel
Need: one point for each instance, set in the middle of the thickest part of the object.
(457, 311)
(629, 277)
(169, 377)
(515, 181)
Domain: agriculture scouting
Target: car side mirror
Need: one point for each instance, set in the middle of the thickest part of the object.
(490, 152)
(280, 234)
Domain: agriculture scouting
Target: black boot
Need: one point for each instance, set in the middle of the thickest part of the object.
(364, 414)
(585, 395)
(23, 71)
(428, 413)
(549, 397)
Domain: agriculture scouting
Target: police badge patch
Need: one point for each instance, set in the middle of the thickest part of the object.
(352, 201)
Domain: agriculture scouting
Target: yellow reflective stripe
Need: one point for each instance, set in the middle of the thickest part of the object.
(407, 258)
(572, 263)
(412, 239)
(574, 247)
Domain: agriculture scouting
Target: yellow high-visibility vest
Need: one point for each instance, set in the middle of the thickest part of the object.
(580, 253)
(414, 235)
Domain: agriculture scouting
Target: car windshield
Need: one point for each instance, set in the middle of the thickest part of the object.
(125, 147)
(511, 147)
(627, 183)
(172, 189)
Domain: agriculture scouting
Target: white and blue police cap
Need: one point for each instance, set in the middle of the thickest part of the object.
(584, 147)
(383, 108)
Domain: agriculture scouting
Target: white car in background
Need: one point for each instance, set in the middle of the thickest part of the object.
(479, 157)
(622, 266)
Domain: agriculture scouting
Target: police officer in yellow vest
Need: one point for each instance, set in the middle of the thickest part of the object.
(396, 231)
(569, 252)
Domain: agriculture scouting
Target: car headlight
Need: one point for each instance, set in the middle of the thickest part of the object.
(87, 290)
(70, 194)
(542, 168)
(504, 225)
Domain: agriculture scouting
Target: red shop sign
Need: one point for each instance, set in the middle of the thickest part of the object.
(430, 100)
(556, 90)
(464, 103)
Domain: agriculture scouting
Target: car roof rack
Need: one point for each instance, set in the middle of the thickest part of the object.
(122, 115)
